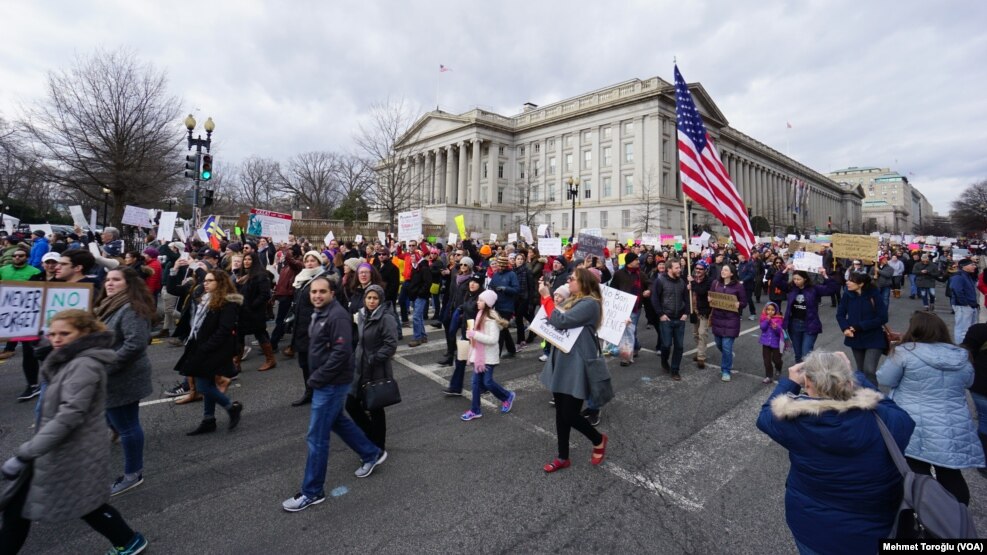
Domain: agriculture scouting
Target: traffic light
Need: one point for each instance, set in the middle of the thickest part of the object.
(192, 166)
(206, 173)
(206, 195)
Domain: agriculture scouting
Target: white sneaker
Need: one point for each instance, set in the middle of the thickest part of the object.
(300, 502)
(543, 357)
(369, 467)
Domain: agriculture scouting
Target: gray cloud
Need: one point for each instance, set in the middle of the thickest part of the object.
(891, 84)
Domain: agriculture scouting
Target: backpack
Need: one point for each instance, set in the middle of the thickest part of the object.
(937, 513)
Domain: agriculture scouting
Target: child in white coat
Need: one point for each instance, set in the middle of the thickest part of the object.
(485, 356)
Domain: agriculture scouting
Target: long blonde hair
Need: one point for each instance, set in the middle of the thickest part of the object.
(589, 286)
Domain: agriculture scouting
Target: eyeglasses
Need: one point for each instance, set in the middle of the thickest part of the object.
(46, 261)
(20, 256)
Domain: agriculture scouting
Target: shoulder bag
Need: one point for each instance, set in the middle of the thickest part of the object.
(937, 514)
(379, 393)
(598, 378)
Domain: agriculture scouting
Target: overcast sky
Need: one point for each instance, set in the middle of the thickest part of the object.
(892, 84)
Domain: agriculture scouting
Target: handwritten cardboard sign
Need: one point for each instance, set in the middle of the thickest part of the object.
(723, 301)
(590, 245)
(27, 306)
(863, 247)
(561, 339)
(617, 307)
(807, 261)
(409, 225)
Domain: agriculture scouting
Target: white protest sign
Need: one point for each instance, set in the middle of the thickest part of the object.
(453, 237)
(526, 233)
(203, 236)
(409, 225)
(20, 309)
(181, 234)
(807, 261)
(493, 237)
(512, 237)
(542, 230)
(278, 233)
(260, 222)
(562, 339)
(92, 219)
(64, 296)
(382, 237)
(359, 238)
(652, 239)
(135, 215)
(789, 238)
(94, 249)
(329, 237)
(704, 239)
(78, 217)
(166, 226)
(550, 246)
(617, 308)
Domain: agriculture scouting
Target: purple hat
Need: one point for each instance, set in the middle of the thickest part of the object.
(152, 252)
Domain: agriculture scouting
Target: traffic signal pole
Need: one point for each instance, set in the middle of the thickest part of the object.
(198, 142)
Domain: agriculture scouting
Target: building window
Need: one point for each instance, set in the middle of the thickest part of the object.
(628, 185)
(520, 151)
(568, 141)
(664, 182)
(625, 218)
(587, 189)
(551, 193)
(628, 152)
(605, 190)
(500, 150)
(503, 222)
(551, 165)
(607, 156)
(583, 220)
(483, 198)
(551, 143)
(536, 167)
(587, 159)
(486, 221)
(628, 128)
(568, 163)
(484, 169)
(537, 148)
(520, 169)
(603, 219)
(500, 171)
(500, 195)
(565, 220)
(536, 193)
(586, 137)
(606, 133)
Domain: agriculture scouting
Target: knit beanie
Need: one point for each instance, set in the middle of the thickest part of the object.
(353, 263)
(466, 260)
(503, 261)
(318, 256)
(597, 274)
(489, 298)
(628, 258)
(563, 290)
(485, 250)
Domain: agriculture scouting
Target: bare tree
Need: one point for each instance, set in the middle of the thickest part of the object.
(109, 122)
(529, 201)
(648, 211)
(393, 188)
(969, 213)
(255, 181)
(312, 180)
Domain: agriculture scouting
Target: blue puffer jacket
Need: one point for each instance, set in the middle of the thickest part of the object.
(843, 489)
(507, 287)
(929, 381)
(866, 313)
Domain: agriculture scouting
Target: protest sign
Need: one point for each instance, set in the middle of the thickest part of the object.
(930, 248)
(590, 245)
(359, 238)
(960, 253)
(594, 231)
(242, 221)
(461, 226)
(166, 226)
(512, 237)
(704, 239)
(63, 296)
(723, 301)
(815, 247)
(409, 225)
(382, 237)
(181, 234)
(627, 236)
(794, 246)
(453, 237)
(863, 247)
(543, 230)
(650, 239)
(617, 308)
(278, 233)
(550, 246)
(135, 215)
(493, 237)
(92, 219)
(260, 222)
(807, 262)
(78, 218)
(475, 235)
(562, 339)
(26, 306)
(329, 238)
(526, 233)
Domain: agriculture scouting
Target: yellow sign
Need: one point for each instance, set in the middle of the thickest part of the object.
(723, 301)
(863, 247)
(461, 226)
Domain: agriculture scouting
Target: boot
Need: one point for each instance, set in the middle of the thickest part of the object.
(304, 399)
(208, 425)
(234, 411)
(288, 352)
(932, 306)
(192, 395)
(269, 360)
(222, 383)
(446, 360)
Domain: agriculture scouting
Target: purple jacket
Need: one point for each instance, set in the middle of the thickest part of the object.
(725, 323)
(770, 336)
(812, 295)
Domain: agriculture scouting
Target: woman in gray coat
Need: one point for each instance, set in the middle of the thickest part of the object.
(69, 451)
(377, 332)
(565, 373)
(127, 309)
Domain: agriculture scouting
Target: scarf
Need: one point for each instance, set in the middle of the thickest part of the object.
(479, 349)
(109, 305)
(305, 276)
(199, 316)
(460, 278)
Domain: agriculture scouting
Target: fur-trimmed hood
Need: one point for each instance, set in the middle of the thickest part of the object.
(234, 298)
(787, 407)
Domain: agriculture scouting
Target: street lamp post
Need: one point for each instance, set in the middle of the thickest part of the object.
(106, 197)
(198, 142)
(573, 183)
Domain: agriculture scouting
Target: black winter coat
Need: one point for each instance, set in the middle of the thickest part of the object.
(378, 341)
(421, 282)
(210, 353)
(392, 280)
(256, 294)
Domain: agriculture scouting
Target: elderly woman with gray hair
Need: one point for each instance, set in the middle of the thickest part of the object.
(841, 476)
(377, 332)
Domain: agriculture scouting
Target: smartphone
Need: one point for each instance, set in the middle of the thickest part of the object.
(184, 256)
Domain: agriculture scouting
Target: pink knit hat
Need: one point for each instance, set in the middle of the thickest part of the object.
(489, 298)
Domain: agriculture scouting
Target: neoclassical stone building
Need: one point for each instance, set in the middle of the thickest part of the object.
(619, 142)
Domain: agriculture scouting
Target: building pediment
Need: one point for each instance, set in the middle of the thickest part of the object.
(430, 125)
(704, 103)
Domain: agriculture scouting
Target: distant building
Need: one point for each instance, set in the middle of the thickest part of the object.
(620, 142)
(892, 204)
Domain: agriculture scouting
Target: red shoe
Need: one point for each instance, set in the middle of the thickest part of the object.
(599, 452)
(556, 464)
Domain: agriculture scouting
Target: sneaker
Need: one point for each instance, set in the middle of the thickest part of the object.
(470, 415)
(509, 355)
(766, 381)
(505, 407)
(593, 417)
(122, 484)
(751, 317)
(521, 346)
(543, 357)
(180, 388)
(625, 363)
(676, 377)
(369, 467)
(30, 392)
(137, 545)
(452, 393)
(300, 502)
(725, 377)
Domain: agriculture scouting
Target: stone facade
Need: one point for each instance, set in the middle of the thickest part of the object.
(892, 204)
(619, 142)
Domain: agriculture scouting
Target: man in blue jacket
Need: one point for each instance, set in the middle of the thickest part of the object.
(39, 248)
(330, 356)
(963, 296)
(505, 283)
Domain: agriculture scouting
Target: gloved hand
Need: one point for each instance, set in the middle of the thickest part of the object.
(12, 468)
(470, 334)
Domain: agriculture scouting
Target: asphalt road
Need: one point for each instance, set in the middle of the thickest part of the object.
(686, 469)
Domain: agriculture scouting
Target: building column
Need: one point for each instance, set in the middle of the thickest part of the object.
(450, 180)
(430, 176)
(475, 198)
(493, 160)
(440, 176)
(462, 158)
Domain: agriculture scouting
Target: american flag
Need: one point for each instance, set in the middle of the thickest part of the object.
(704, 178)
(443, 69)
(799, 195)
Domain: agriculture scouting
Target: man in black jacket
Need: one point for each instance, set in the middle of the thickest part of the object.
(331, 358)
(670, 299)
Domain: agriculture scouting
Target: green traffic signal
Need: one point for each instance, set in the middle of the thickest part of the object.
(206, 173)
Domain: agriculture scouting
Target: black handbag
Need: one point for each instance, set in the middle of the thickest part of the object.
(378, 394)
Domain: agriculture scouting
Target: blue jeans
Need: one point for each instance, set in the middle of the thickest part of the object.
(886, 295)
(418, 320)
(403, 301)
(802, 341)
(981, 402)
(914, 289)
(725, 345)
(927, 294)
(965, 317)
(327, 415)
(126, 421)
(484, 381)
(211, 396)
(672, 334)
(804, 549)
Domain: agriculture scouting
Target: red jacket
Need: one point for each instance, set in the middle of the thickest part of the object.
(154, 281)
